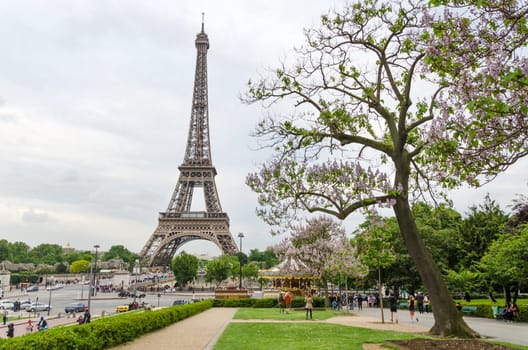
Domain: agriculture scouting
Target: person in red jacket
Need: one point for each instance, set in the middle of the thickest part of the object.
(288, 301)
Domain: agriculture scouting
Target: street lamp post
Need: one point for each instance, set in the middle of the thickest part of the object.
(49, 301)
(95, 269)
(90, 286)
(240, 235)
(136, 270)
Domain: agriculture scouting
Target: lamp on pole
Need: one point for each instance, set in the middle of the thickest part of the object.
(95, 268)
(136, 270)
(240, 235)
(90, 286)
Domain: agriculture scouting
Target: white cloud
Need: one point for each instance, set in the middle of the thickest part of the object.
(34, 216)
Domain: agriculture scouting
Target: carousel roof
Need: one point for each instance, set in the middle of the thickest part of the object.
(288, 268)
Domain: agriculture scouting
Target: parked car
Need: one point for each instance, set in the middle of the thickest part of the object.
(123, 293)
(137, 294)
(75, 307)
(122, 308)
(23, 304)
(32, 288)
(7, 304)
(36, 307)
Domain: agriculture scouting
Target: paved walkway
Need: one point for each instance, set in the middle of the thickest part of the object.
(197, 332)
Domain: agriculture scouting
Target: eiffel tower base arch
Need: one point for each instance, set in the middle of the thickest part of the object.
(172, 233)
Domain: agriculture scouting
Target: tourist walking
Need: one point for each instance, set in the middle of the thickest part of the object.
(308, 305)
(10, 330)
(288, 301)
(29, 326)
(412, 307)
(393, 305)
(42, 324)
(420, 302)
(281, 302)
(4, 316)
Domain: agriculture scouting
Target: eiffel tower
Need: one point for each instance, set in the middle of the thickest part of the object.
(178, 224)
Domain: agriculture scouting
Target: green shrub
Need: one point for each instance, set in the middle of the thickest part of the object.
(267, 302)
(246, 302)
(298, 302)
(523, 313)
(106, 332)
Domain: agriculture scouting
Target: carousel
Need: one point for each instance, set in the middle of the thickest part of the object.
(290, 275)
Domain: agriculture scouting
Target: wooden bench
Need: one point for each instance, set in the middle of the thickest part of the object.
(468, 309)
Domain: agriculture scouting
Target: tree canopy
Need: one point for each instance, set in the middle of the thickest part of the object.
(392, 98)
(185, 267)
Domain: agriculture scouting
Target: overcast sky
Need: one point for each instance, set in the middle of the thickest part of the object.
(95, 101)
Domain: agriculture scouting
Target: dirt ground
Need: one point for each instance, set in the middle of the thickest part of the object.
(450, 344)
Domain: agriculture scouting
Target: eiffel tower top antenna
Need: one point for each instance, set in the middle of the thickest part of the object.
(203, 14)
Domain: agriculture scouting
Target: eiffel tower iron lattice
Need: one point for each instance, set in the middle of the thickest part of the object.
(178, 224)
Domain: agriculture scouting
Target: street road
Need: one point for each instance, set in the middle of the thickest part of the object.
(102, 302)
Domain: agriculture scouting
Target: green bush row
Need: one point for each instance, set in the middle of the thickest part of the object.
(106, 332)
(297, 302)
(484, 310)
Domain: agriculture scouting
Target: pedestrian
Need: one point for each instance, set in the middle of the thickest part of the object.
(29, 326)
(393, 305)
(426, 303)
(87, 316)
(11, 330)
(281, 302)
(420, 302)
(308, 305)
(288, 301)
(80, 320)
(4, 316)
(412, 307)
(42, 324)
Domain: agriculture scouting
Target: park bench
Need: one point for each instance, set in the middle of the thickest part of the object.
(403, 305)
(496, 310)
(468, 310)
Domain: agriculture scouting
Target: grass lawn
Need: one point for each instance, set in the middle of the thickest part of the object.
(302, 335)
(297, 335)
(248, 313)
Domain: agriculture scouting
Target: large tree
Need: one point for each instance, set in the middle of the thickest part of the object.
(505, 262)
(382, 114)
(218, 270)
(484, 224)
(185, 267)
(374, 247)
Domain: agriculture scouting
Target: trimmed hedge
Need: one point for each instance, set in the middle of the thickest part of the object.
(297, 302)
(106, 332)
(484, 310)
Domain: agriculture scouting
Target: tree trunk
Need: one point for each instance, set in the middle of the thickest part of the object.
(448, 321)
(507, 294)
